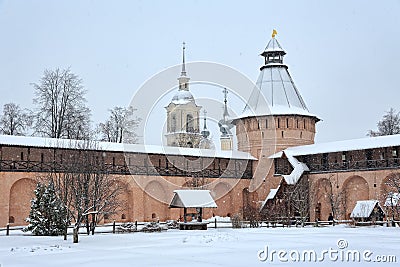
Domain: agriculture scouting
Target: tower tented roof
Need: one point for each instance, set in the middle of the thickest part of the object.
(273, 45)
(275, 93)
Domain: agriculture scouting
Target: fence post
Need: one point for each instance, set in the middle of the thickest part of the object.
(215, 223)
(136, 225)
(8, 229)
(114, 227)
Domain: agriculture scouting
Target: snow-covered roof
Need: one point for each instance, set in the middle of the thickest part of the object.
(273, 45)
(271, 195)
(392, 200)
(275, 92)
(338, 146)
(118, 147)
(364, 208)
(192, 199)
(182, 97)
(298, 169)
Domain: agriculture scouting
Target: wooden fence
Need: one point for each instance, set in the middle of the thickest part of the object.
(115, 227)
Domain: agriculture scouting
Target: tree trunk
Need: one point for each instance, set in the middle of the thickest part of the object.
(75, 233)
(87, 224)
(93, 223)
(65, 231)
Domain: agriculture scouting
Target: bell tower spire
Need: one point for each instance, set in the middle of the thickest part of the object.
(183, 72)
(183, 79)
(225, 125)
(183, 114)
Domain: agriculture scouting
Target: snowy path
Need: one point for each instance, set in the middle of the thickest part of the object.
(214, 247)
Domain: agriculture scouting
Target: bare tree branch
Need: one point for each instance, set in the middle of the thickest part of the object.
(388, 125)
(120, 127)
(14, 120)
(61, 106)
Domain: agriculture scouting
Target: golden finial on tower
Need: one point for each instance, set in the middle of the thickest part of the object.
(274, 32)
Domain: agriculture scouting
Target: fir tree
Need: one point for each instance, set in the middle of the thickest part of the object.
(48, 213)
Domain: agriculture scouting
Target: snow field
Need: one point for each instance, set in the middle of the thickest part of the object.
(214, 247)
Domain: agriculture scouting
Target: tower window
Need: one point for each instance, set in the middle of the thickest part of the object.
(279, 123)
(304, 123)
(287, 123)
(173, 123)
(297, 124)
(266, 124)
(282, 134)
(189, 123)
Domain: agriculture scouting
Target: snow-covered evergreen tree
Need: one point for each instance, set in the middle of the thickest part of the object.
(48, 213)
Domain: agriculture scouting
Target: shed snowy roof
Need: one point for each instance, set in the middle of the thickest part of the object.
(192, 199)
(271, 195)
(364, 208)
(338, 146)
(118, 147)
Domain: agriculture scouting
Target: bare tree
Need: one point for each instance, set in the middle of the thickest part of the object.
(388, 125)
(121, 126)
(391, 195)
(61, 110)
(196, 182)
(298, 201)
(14, 120)
(188, 140)
(336, 200)
(86, 187)
(290, 201)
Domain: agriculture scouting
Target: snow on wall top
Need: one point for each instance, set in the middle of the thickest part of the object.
(118, 147)
(346, 145)
(192, 199)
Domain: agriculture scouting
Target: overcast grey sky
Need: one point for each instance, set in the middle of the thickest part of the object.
(343, 55)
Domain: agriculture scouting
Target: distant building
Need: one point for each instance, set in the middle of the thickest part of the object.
(183, 125)
(225, 126)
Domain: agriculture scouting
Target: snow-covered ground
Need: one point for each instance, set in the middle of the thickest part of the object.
(214, 247)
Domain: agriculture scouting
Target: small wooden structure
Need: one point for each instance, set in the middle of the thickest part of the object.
(197, 199)
(367, 210)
